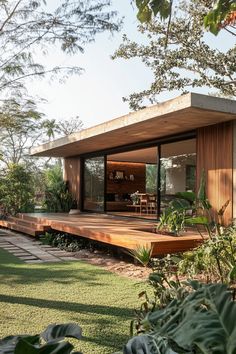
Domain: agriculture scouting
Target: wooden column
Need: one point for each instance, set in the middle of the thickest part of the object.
(215, 156)
(72, 176)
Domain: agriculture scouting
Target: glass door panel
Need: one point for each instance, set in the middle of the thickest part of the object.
(132, 183)
(94, 170)
(177, 169)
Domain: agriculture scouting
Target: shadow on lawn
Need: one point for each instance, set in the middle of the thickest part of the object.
(52, 272)
(121, 312)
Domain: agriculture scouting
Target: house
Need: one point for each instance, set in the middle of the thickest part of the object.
(152, 154)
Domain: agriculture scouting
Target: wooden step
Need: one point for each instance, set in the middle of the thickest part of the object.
(24, 229)
(28, 223)
(38, 220)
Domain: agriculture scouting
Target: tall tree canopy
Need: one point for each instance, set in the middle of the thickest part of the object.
(187, 61)
(221, 13)
(30, 26)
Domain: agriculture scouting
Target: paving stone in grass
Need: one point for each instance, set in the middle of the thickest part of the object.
(27, 257)
(10, 248)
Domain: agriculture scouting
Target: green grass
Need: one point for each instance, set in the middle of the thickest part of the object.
(32, 296)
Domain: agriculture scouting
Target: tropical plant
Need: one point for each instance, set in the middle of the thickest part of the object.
(215, 258)
(51, 341)
(172, 221)
(201, 322)
(57, 196)
(142, 254)
(17, 190)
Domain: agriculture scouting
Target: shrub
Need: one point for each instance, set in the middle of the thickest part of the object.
(16, 190)
(142, 254)
(57, 196)
(203, 321)
(215, 258)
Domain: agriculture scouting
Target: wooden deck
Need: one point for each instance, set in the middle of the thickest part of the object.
(127, 233)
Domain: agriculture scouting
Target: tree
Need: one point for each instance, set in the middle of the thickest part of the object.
(187, 61)
(21, 129)
(220, 15)
(16, 190)
(28, 28)
(59, 128)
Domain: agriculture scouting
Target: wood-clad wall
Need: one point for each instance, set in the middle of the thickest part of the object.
(72, 176)
(215, 156)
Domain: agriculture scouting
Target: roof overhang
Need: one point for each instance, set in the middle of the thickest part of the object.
(179, 115)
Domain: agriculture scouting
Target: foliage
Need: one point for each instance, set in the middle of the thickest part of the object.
(220, 16)
(188, 61)
(190, 209)
(16, 190)
(63, 241)
(142, 254)
(57, 196)
(135, 197)
(49, 341)
(172, 221)
(219, 12)
(201, 322)
(30, 27)
(215, 258)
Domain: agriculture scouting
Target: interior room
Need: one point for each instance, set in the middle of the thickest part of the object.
(141, 182)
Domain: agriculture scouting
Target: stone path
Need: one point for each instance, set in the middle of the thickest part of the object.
(30, 250)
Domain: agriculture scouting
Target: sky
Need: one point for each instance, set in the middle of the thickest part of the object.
(96, 95)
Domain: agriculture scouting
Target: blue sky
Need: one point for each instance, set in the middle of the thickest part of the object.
(96, 95)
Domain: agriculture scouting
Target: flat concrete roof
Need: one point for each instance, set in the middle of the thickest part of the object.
(179, 115)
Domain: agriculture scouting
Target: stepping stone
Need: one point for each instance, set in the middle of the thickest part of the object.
(8, 248)
(34, 261)
(21, 254)
(28, 258)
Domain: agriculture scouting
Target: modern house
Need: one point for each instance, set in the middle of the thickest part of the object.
(155, 152)
(132, 166)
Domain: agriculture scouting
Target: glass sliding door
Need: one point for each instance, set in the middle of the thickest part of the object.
(177, 169)
(131, 180)
(94, 171)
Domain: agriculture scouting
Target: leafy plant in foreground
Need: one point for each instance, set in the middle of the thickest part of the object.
(203, 322)
(51, 341)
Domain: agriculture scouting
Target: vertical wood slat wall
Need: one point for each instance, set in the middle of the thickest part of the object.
(215, 156)
(72, 167)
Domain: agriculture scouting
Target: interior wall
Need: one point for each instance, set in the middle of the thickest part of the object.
(138, 170)
(215, 156)
(72, 167)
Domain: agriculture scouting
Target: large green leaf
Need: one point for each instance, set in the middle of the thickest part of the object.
(180, 204)
(24, 347)
(61, 331)
(197, 220)
(190, 196)
(8, 344)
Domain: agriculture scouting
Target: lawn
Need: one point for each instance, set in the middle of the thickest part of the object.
(32, 296)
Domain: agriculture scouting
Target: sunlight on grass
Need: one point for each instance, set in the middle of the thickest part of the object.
(32, 296)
